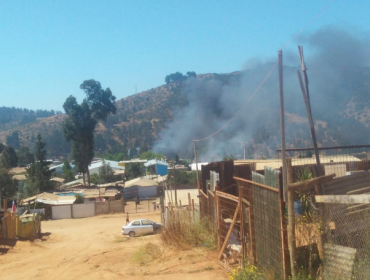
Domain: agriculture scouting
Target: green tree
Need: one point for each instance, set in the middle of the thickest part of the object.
(24, 156)
(13, 140)
(79, 199)
(9, 157)
(8, 186)
(133, 170)
(106, 173)
(2, 147)
(68, 173)
(82, 119)
(94, 178)
(150, 155)
(38, 174)
(191, 74)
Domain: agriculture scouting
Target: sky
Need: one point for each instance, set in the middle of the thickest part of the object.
(48, 48)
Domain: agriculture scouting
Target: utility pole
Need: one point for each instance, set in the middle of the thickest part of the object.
(306, 97)
(243, 148)
(288, 195)
(174, 170)
(196, 164)
(282, 121)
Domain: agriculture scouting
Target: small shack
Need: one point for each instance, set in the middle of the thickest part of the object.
(157, 167)
(140, 187)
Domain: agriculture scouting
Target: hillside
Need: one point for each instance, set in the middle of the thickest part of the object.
(171, 115)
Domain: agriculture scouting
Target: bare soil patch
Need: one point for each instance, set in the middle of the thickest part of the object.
(93, 248)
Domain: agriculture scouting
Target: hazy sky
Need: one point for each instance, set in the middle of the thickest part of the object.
(48, 48)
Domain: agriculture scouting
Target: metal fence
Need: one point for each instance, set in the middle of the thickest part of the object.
(345, 233)
(266, 226)
(342, 161)
(229, 230)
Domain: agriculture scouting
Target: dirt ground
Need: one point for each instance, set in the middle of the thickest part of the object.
(93, 248)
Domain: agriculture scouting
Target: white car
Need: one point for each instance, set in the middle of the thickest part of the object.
(141, 227)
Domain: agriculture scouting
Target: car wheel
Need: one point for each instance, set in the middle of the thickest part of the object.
(131, 234)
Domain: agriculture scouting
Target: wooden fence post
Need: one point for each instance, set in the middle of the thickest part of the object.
(241, 224)
(291, 221)
(194, 210)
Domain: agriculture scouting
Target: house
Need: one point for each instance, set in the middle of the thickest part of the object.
(49, 199)
(155, 166)
(140, 187)
(193, 166)
(94, 167)
(73, 184)
(59, 168)
(59, 181)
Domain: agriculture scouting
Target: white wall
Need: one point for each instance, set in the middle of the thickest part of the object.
(61, 212)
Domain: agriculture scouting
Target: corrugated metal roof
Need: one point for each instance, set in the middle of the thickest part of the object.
(154, 162)
(277, 163)
(141, 182)
(113, 164)
(51, 199)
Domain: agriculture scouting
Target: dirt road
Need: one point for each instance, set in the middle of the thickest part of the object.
(93, 248)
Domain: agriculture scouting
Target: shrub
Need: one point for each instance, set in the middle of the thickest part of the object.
(184, 234)
(249, 272)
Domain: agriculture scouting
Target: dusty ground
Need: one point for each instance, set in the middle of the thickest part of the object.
(93, 248)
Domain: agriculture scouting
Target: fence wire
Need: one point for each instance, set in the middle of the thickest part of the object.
(339, 160)
(346, 240)
(229, 236)
(265, 227)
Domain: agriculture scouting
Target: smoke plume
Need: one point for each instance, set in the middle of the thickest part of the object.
(337, 62)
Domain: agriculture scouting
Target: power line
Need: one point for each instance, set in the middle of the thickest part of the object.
(268, 75)
(305, 27)
(245, 104)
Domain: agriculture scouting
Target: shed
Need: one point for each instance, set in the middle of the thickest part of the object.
(158, 167)
(94, 167)
(59, 168)
(140, 187)
(50, 199)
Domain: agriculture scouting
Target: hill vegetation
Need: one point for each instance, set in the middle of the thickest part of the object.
(140, 119)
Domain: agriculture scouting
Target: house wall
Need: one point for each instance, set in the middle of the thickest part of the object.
(162, 170)
(102, 208)
(116, 206)
(61, 212)
(146, 192)
(131, 192)
(83, 210)
(77, 211)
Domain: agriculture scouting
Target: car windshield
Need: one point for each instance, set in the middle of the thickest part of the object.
(150, 221)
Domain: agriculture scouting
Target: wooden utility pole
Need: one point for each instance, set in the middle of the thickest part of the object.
(174, 170)
(282, 121)
(288, 195)
(291, 221)
(306, 97)
(196, 164)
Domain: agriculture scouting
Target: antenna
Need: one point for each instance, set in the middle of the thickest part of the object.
(243, 147)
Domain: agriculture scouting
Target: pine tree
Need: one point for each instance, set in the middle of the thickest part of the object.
(38, 174)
